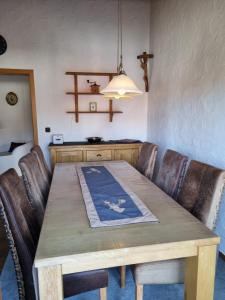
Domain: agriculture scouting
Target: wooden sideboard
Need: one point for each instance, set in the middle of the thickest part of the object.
(76, 152)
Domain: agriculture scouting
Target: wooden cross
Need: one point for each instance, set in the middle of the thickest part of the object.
(144, 65)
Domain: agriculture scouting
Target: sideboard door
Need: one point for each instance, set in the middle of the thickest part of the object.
(129, 155)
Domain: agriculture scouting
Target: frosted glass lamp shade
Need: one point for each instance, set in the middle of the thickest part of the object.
(121, 86)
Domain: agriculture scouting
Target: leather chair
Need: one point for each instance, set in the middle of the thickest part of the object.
(22, 232)
(22, 229)
(35, 184)
(147, 158)
(201, 195)
(171, 173)
(36, 150)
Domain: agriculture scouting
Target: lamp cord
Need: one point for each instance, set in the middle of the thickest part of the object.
(120, 69)
(118, 35)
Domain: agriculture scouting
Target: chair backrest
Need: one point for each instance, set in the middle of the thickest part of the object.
(22, 230)
(171, 172)
(35, 184)
(147, 158)
(201, 192)
(36, 150)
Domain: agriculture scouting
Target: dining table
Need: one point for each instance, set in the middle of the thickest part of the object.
(68, 244)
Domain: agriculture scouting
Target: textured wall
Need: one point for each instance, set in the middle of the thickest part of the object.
(187, 97)
(15, 121)
(54, 36)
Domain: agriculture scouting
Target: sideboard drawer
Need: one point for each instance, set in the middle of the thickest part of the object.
(95, 155)
(69, 156)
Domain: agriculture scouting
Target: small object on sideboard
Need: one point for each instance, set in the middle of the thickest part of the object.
(57, 139)
(94, 139)
(125, 141)
(94, 86)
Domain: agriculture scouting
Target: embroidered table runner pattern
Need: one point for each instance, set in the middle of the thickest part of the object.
(108, 201)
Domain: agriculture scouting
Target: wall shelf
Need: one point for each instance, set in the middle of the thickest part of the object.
(76, 93)
(95, 112)
(82, 93)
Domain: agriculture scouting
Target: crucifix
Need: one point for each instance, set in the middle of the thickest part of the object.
(144, 65)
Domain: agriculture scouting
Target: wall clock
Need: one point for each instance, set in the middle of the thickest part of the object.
(11, 98)
(3, 45)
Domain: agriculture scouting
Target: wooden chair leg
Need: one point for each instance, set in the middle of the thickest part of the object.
(1, 294)
(103, 294)
(122, 276)
(139, 292)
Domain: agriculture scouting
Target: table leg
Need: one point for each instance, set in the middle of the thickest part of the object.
(103, 294)
(122, 276)
(50, 283)
(139, 292)
(200, 274)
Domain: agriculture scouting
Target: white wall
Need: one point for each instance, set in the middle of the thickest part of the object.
(55, 36)
(15, 121)
(187, 97)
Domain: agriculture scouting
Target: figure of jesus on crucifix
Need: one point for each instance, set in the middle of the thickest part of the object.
(144, 65)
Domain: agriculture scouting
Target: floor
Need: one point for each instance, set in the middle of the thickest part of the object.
(164, 292)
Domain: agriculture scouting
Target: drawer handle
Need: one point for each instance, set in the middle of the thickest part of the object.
(99, 155)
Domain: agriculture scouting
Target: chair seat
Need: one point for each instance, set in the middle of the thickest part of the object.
(77, 283)
(163, 272)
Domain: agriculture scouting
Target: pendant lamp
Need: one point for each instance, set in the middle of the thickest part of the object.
(121, 86)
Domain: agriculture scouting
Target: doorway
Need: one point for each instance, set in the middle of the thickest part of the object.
(26, 76)
(18, 121)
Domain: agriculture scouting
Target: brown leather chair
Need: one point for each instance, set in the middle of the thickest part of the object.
(35, 184)
(22, 232)
(36, 150)
(171, 172)
(201, 195)
(147, 158)
(22, 229)
(201, 192)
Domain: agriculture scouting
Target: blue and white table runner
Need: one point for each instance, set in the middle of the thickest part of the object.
(108, 201)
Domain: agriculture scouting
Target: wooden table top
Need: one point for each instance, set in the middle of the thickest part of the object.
(66, 236)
